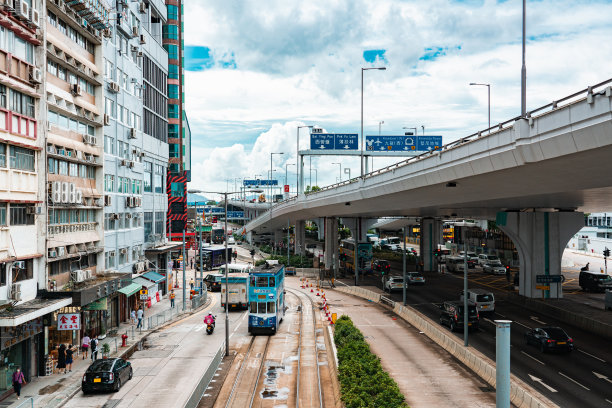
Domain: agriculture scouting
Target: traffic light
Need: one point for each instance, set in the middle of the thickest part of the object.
(606, 252)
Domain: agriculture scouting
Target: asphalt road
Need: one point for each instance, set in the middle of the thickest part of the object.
(581, 378)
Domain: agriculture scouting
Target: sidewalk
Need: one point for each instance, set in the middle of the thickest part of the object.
(54, 390)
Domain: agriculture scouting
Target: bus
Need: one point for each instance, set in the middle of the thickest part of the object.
(218, 235)
(266, 298)
(347, 256)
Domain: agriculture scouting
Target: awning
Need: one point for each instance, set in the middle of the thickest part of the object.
(144, 282)
(30, 310)
(154, 276)
(130, 289)
(165, 248)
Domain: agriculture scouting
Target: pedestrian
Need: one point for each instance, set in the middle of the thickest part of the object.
(61, 358)
(18, 381)
(85, 345)
(140, 314)
(94, 348)
(191, 263)
(133, 316)
(69, 360)
(191, 283)
(172, 296)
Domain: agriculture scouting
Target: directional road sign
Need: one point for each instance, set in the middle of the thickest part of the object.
(403, 143)
(334, 141)
(258, 182)
(550, 278)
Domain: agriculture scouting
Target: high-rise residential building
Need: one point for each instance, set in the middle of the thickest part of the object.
(179, 168)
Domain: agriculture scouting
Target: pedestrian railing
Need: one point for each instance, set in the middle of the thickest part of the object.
(388, 301)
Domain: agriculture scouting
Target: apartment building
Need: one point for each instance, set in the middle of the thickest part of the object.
(179, 136)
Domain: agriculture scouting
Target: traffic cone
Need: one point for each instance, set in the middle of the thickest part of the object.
(311, 290)
(317, 293)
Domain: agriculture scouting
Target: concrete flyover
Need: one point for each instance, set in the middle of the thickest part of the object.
(553, 160)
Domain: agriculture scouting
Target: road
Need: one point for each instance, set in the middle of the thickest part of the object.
(582, 378)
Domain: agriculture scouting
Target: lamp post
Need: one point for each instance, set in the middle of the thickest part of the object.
(286, 179)
(410, 128)
(316, 177)
(340, 172)
(362, 138)
(270, 180)
(489, 97)
(524, 70)
(297, 158)
(225, 195)
(423, 126)
(380, 126)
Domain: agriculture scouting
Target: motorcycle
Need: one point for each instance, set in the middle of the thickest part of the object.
(584, 268)
(210, 327)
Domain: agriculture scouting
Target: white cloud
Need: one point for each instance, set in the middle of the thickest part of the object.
(299, 62)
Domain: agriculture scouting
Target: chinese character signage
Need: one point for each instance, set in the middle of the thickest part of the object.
(333, 141)
(406, 143)
(68, 321)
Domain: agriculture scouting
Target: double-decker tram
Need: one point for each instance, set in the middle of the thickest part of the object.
(266, 298)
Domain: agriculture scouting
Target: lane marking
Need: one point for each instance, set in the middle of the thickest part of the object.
(601, 376)
(536, 319)
(533, 358)
(574, 381)
(500, 315)
(607, 400)
(590, 355)
(519, 323)
(539, 380)
(199, 328)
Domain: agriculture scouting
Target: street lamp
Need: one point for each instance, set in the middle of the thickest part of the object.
(225, 194)
(297, 158)
(413, 128)
(489, 95)
(286, 180)
(316, 177)
(339, 164)
(362, 138)
(524, 70)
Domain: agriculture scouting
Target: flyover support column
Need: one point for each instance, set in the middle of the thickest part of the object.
(331, 244)
(300, 237)
(431, 234)
(540, 239)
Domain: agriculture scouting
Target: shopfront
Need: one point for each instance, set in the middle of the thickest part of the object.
(158, 279)
(19, 347)
(129, 300)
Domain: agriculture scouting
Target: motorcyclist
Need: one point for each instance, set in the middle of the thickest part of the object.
(210, 319)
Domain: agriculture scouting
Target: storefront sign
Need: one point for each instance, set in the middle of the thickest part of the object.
(68, 321)
(13, 335)
(100, 304)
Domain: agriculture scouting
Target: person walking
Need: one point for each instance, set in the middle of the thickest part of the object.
(94, 348)
(85, 345)
(18, 381)
(61, 358)
(133, 316)
(140, 314)
(191, 283)
(172, 296)
(191, 263)
(69, 360)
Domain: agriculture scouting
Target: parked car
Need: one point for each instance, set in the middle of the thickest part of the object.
(484, 300)
(213, 282)
(496, 268)
(550, 339)
(485, 259)
(452, 316)
(415, 278)
(594, 281)
(106, 375)
(381, 265)
(394, 283)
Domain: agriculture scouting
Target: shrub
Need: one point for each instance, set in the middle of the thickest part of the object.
(363, 382)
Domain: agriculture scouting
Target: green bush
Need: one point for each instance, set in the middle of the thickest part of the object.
(363, 382)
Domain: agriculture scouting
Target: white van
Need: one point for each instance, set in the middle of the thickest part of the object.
(236, 268)
(488, 259)
(483, 299)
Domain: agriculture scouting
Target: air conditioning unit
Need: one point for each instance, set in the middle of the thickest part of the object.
(107, 32)
(78, 275)
(61, 251)
(132, 133)
(72, 193)
(128, 215)
(123, 251)
(142, 7)
(35, 75)
(134, 48)
(16, 292)
(23, 11)
(56, 191)
(128, 201)
(139, 54)
(124, 162)
(34, 210)
(112, 253)
(65, 192)
(114, 216)
(76, 89)
(79, 197)
(131, 164)
(106, 119)
(113, 86)
(19, 265)
(87, 139)
(107, 200)
(135, 31)
(143, 39)
(52, 253)
(34, 17)
(51, 149)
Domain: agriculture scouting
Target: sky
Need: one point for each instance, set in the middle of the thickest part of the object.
(256, 70)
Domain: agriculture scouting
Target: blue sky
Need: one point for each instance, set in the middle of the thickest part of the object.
(257, 70)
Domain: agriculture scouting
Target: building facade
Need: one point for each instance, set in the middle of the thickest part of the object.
(596, 235)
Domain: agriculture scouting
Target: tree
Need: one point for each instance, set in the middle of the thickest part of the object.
(211, 202)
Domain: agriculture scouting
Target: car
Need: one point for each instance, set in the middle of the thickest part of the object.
(496, 268)
(231, 240)
(455, 264)
(391, 247)
(594, 281)
(549, 339)
(108, 374)
(381, 265)
(452, 314)
(484, 300)
(608, 300)
(485, 259)
(471, 256)
(394, 283)
(213, 282)
(415, 278)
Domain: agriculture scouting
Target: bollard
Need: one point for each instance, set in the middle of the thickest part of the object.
(132, 332)
(502, 362)
(116, 349)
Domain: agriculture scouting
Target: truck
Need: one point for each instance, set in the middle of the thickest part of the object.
(237, 294)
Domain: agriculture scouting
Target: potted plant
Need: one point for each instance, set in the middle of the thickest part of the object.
(105, 350)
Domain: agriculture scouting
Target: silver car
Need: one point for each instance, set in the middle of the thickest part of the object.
(496, 268)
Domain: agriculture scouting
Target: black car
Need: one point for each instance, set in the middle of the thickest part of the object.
(550, 339)
(106, 375)
(594, 281)
(380, 265)
(213, 282)
(452, 316)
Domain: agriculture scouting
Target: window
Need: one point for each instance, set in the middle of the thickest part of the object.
(62, 167)
(109, 145)
(173, 111)
(170, 32)
(22, 104)
(271, 307)
(20, 216)
(91, 172)
(261, 282)
(173, 91)
(22, 159)
(148, 177)
(20, 274)
(2, 155)
(109, 108)
(173, 150)
(176, 190)
(109, 183)
(160, 188)
(109, 260)
(148, 226)
(172, 12)
(160, 218)
(2, 214)
(173, 71)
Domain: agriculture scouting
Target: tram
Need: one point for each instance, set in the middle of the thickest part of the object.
(266, 298)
